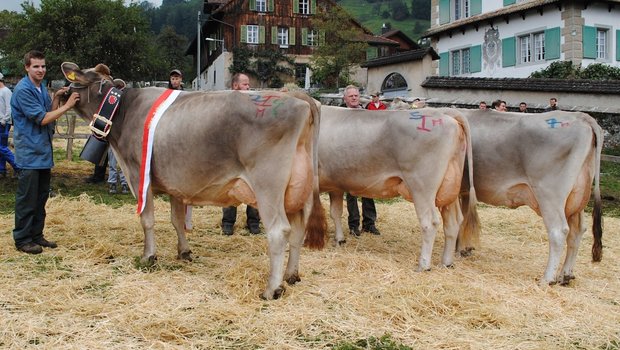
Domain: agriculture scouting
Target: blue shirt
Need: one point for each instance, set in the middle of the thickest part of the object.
(33, 141)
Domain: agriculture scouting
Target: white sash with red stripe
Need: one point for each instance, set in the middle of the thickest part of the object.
(157, 110)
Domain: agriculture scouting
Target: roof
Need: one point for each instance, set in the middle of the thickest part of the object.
(407, 56)
(508, 10)
(525, 84)
(398, 33)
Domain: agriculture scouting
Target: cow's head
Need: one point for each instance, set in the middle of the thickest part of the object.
(91, 84)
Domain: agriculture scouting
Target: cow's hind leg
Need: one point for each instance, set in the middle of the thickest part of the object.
(557, 230)
(335, 211)
(429, 222)
(452, 219)
(295, 242)
(177, 216)
(577, 228)
(147, 220)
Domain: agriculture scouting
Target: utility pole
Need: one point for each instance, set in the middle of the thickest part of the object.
(198, 40)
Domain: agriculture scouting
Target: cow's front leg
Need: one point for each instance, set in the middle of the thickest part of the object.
(335, 211)
(177, 213)
(278, 231)
(147, 220)
(295, 242)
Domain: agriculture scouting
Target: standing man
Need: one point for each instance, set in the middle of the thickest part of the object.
(369, 212)
(5, 126)
(34, 115)
(375, 104)
(553, 105)
(240, 81)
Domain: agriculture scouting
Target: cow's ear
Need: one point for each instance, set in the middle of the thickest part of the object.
(71, 72)
(120, 84)
(102, 69)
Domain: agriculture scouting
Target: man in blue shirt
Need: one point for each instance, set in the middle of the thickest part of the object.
(33, 121)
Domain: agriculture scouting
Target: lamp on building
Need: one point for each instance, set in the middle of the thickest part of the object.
(217, 40)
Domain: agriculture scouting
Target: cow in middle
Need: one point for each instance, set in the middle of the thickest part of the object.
(417, 154)
(216, 149)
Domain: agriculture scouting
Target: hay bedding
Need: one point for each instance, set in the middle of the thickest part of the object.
(88, 294)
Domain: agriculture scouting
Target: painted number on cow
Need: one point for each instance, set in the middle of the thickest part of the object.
(263, 102)
(554, 123)
(427, 122)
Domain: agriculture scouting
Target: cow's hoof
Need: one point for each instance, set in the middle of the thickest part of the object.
(343, 242)
(449, 266)
(294, 278)
(187, 256)
(423, 269)
(149, 261)
(469, 251)
(276, 294)
(566, 280)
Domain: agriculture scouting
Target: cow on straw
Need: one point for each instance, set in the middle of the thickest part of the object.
(546, 161)
(222, 149)
(417, 154)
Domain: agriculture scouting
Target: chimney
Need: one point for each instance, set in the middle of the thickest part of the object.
(384, 29)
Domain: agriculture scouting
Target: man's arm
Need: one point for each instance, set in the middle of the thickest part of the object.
(57, 111)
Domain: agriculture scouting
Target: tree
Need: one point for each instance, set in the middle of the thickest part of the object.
(84, 32)
(341, 47)
(399, 10)
(170, 48)
(267, 65)
(421, 9)
(567, 70)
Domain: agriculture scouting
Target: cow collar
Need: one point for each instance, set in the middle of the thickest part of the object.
(102, 120)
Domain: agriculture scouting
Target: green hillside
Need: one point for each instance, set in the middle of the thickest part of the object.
(372, 14)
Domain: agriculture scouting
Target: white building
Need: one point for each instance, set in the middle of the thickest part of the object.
(513, 38)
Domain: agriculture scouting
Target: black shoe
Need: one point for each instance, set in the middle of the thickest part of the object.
(227, 230)
(94, 180)
(372, 229)
(112, 189)
(354, 231)
(30, 248)
(45, 243)
(124, 189)
(255, 230)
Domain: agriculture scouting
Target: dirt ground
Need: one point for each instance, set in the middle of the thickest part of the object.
(90, 294)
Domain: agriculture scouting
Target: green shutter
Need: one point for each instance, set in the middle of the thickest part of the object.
(509, 2)
(261, 34)
(312, 7)
(475, 59)
(589, 42)
(476, 7)
(291, 36)
(244, 34)
(304, 36)
(618, 45)
(509, 57)
(252, 5)
(552, 43)
(295, 6)
(270, 5)
(274, 35)
(444, 64)
(372, 52)
(444, 11)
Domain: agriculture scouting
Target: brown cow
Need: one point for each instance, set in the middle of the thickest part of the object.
(222, 149)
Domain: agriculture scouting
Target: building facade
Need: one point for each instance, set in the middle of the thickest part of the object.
(513, 38)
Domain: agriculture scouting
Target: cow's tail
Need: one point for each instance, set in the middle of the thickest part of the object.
(316, 226)
(597, 212)
(469, 232)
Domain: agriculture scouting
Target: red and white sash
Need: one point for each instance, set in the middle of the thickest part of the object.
(152, 118)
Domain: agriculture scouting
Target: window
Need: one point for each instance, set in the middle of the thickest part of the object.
(394, 81)
(313, 38)
(532, 47)
(261, 5)
(282, 36)
(461, 9)
(252, 37)
(601, 43)
(460, 62)
(304, 7)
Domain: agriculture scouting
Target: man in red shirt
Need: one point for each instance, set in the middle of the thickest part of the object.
(375, 104)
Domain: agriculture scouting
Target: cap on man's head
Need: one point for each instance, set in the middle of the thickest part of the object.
(374, 94)
(176, 72)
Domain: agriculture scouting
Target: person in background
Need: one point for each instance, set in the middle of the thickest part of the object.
(375, 104)
(6, 156)
(482, 105)
(34, 115)
(240, 81)
(369, 212)
(523, 107)
(553, 105)
(417, 103)
(115, 175)
(499, 105)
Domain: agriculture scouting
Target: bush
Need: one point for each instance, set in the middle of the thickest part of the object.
(566, 70)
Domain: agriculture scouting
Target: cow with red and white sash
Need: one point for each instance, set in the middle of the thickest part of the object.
(222, 149)
(547, 161)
